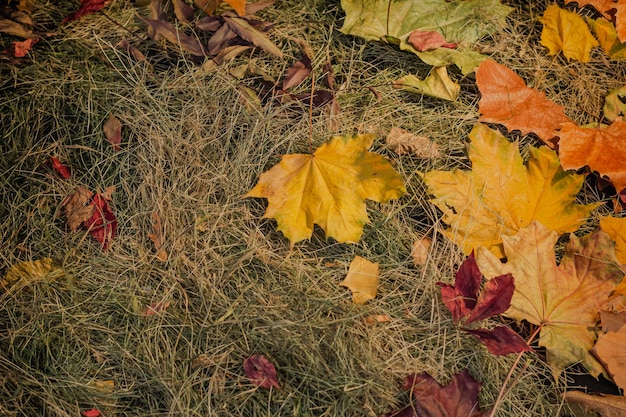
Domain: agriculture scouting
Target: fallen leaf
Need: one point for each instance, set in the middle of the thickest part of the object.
(616, 229)
(25, 6)
(173, 35)
(261, 372)
(86, 7)
(11, 27)
(609, 349)
(297, 72)
(378, 318)
(45, 269)
(419, 251)
(94, 412)
(183, 11)
(600, 148)
(103, 385)
(566, 31)
(605, 405)
(606, 34)
(20, 49)
(614, 107)
(562, 300)
(60, 168)
(500, 340)
(362, 280)
(505, 99)
(113, 132)
(502, 194)
(437, 84)
(102, 225)
(430, 399)
(424, 40)
(77, 207)
(247, 32)
(610, 9)
(404, 142)
(209, 6)
(328, 188)
(155, 308)
(130, 49)
(157, 237)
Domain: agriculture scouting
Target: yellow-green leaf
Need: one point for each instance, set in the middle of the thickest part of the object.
(566, 31)
(502, 194)
(606, 34)
(44, 269)
(328, 188)
(362, 280)
(437, 84)
(563, 300)
(613, 105)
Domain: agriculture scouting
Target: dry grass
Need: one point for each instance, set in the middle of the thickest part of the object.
(192, 147)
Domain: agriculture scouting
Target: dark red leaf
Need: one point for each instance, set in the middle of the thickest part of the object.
(60, 168)
(102, 225)
(494, 299)
(460, 298)
(320, 98)
(86, 7)
(297, 72)
(261, 371)
(501, 340)
(94, 412)
(430, 399)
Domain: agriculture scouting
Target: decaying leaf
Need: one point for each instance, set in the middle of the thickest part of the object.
(563, 300)
(616, 229)
(566, 31)
(430, 399)
(328, 188)
(261, 372)
(60, 168)
(600, 148)
(606, 34)
(86, 7)
(609, 348)
(614, 107)
(419, 251)
(247, 32)
(77, 207)
(604, 405)
(45, 269)
(437, 84)
(404, 142)
(157, 237)
(11, 27)
(113, 132)
(362, 280)
(502, 194)
(425, 40)
(183, 11)
(505, 99)
(21, 49)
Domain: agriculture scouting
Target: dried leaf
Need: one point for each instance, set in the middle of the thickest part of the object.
(609, 9)
(102, 225)
(44, 269)
(183, 11)
(207, 6)
(419, 251)
(506, 100)
(566, 31)
(500, 340)
(60, 168)
(614, 107)
(378, 318)
(328, 188)
(606, 34)
(245, 31)
(460, 298)
(600, 148)
(424, 40)
(86, 7)
(404, 142)
(113, 132)
(11, 27)
(155, 308)
(157, 237)
(261, 372)
(437, 84)
(609, 349)
(362, 280)
(169, 32)
(20, 49)
(502, 194)
(563, 300)
(77, 207)
(616, 229)
(297, 72)
(605, 405)
(103, 385)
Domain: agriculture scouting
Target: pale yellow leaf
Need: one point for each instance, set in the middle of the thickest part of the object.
(362, 280)
(404, 142)
(437, 84)
(419, 251)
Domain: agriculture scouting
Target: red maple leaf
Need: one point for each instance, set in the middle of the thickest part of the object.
(60, 168)
(102, 225)
(261, 371)
(86, 7)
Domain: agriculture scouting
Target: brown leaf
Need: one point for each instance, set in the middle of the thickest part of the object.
(157, 237)
(378, 318)
(419, 252)
(605, 405)
(245, 31)
(261, 371)
(404, 142)
(220, 40)
(130, 49)
(16, 29)
(77, 208)
(609, 348)
(183, 11)
(169, 32)
(505, 99)
(113, 132)
(297, 72)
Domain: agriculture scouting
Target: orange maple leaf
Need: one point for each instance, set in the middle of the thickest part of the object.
(505, 99)
(602, 149)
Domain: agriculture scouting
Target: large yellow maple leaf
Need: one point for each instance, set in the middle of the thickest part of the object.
(328, 188)
(564, 301)
(501, 194)
(566, 31)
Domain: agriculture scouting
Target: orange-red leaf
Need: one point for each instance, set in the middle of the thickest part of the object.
(602, 149)
(60, 168)
(261, 371)
(102, 225)
(505, 99)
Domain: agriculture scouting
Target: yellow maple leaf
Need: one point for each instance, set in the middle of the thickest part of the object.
(328, 188)
(362, 279)
(437, 84)
(563, 300)
(607, 36)
(566, 31)
(616, 229)
(45, 269)
(501, 194)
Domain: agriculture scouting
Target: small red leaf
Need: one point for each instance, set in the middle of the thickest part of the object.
(86, 7)
(501, 340)
(60, 168)
(461, 298)
(102, 224)
(94, 412)
(156, 308)
(494, 299)
(20, 49)
(261, 371)
(425, 40)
